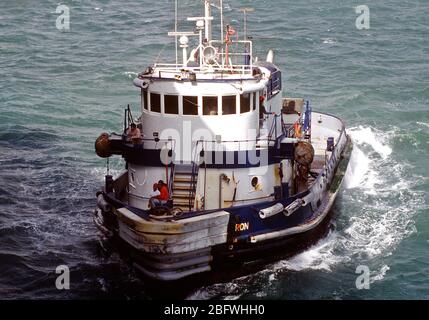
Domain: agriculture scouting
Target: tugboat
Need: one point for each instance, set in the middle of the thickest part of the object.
(220, 167)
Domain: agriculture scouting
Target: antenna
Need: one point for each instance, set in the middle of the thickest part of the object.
(245, 11)
(175, 30)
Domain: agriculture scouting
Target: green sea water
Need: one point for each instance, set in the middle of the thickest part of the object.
(60, 90)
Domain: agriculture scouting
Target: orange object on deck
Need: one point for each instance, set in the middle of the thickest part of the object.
(297, 128)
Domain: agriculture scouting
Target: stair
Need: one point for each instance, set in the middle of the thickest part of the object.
(183, 188)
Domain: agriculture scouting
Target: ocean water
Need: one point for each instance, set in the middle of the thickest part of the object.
(60, 90)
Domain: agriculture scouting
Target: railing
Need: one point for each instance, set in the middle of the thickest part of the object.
(236, 68)
(193, 190)
(246, 54)
(220, 63)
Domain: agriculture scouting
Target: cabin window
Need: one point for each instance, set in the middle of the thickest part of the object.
(144, 99)
(245, 102)
(229, 105)
(210, 106)
(155, 102)
(190, 106)
(255, 99)
(171, 104)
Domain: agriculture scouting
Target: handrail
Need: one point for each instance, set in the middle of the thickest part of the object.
(239, 68)
(193, 183)
(171, 181)
(192, 192)
(235, 141)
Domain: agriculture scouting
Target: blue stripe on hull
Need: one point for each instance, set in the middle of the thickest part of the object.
(249, 214)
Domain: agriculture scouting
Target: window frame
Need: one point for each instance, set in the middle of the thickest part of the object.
(160, 102)
(167, 96)
(144, 100)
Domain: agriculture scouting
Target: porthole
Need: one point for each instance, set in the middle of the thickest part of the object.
(255, 182)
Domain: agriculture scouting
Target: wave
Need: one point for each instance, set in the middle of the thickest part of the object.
(329, 40)
(380, 199)
(423, 124)
(99, 173)
(130, 74)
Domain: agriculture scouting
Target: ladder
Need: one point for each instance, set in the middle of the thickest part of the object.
(184, 186)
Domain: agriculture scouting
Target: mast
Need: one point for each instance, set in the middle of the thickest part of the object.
(175, 30)
(208, 23)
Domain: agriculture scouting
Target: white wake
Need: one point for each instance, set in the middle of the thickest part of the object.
(378, 205)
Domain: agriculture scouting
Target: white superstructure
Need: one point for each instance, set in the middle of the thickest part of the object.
(210, 101)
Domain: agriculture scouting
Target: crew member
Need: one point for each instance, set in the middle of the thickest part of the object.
(162, 198)
(134, 134)
(262, 110)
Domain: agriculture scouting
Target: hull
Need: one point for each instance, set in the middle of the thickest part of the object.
(170, 248)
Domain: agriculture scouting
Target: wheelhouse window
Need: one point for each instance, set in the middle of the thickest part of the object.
(190, 106)
(245, 100)
(155, 102)
(171, 104)
(210, 106)
(144, 99)
(229, 105)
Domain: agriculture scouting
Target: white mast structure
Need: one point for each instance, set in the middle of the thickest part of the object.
(208, 23)
(210, 54)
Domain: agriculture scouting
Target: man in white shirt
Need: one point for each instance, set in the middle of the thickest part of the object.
(155, 192)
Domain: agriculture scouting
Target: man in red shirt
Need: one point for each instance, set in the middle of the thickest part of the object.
(162, 198)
